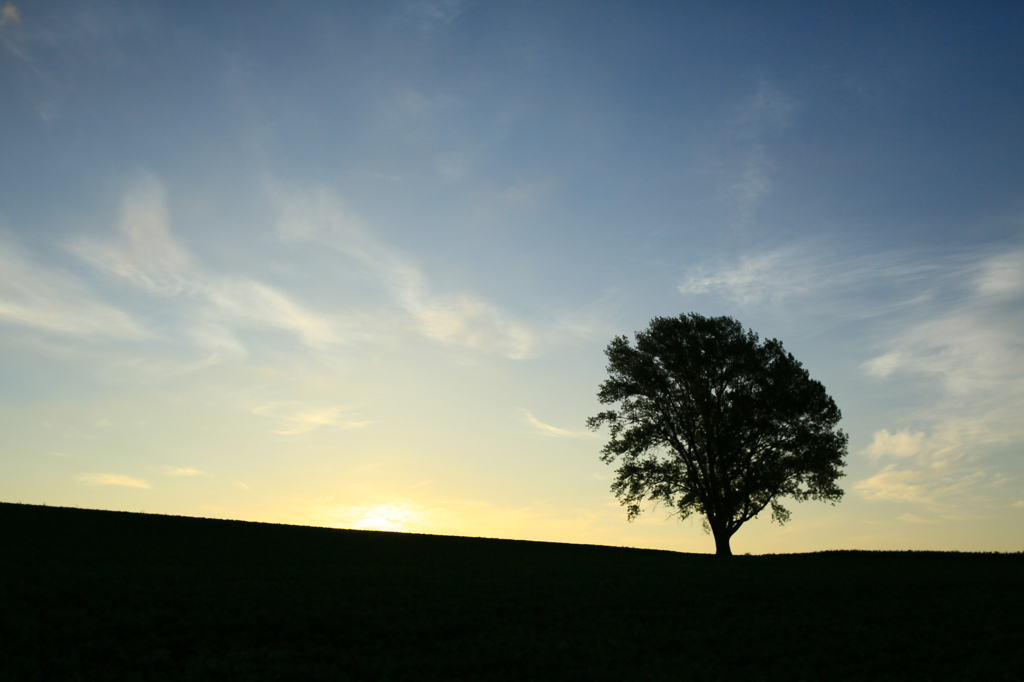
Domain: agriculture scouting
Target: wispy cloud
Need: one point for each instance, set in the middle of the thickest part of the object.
(899, 485)
(953, 320)
(423, 119)
(1001, 277)
(766, 112)
(48, 299)
(914, 518)
(967, 344)
(752, 182)
(145, 253)
(54, 48)
(900, 444)
(248, 300)
(460, 319)
(454, 165)
(112, 479)
(430, 15)
(182, 471)
(770, 276)
(408, 104)
(769, 109)
(938, 486)
(822, 270)
(9, 14)
(933, 470)
(295, 418)
(549, 430)
(970, 341)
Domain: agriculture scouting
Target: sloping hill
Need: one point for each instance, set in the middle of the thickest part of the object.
(111, 595)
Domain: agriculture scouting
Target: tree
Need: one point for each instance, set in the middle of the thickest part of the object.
(712, 421)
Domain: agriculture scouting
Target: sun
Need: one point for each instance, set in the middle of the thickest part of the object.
(387, 516)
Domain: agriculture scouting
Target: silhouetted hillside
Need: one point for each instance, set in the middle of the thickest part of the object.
(110, 595)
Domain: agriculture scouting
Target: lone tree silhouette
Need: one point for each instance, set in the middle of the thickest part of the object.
(712, 421)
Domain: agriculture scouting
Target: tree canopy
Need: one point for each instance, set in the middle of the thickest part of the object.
(708, 419)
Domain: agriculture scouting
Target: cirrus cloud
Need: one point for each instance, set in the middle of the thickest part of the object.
(112, 479)
(952, 321)
(145, 254)
(458, 319)
(49, 299)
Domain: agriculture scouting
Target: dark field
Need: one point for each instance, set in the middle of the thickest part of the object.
(92, 595)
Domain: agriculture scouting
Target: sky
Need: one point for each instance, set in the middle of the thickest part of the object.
(355, 264)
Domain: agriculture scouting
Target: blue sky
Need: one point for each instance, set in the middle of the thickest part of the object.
(355, 264)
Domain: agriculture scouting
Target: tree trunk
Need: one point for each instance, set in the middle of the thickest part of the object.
(722, 537)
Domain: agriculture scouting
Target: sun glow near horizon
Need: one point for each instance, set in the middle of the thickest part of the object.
(388, 516)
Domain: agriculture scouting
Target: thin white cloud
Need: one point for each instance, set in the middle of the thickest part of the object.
(967, 345)
(971, 343)
(422, 119)
(770, 108)
(914, 518)
(460, 320)
(900, 444)
(296, 418)
(217, 340)
(821, 270)
(247, 299)
(1002, 276)
(770, 276)
(160, 368)
(454, 165)
(752, 183)
(934, 470)
(409, 104)
(146, 254)
(112, 479)
(431, 15)
(48, 299)
(550, 430)
(953, 321)
(938, 486)
(767, 111)
(86, 33)
(883, 365)
(182, 471)
(966, 349)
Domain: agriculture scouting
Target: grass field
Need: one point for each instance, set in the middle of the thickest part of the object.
(94, 595)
